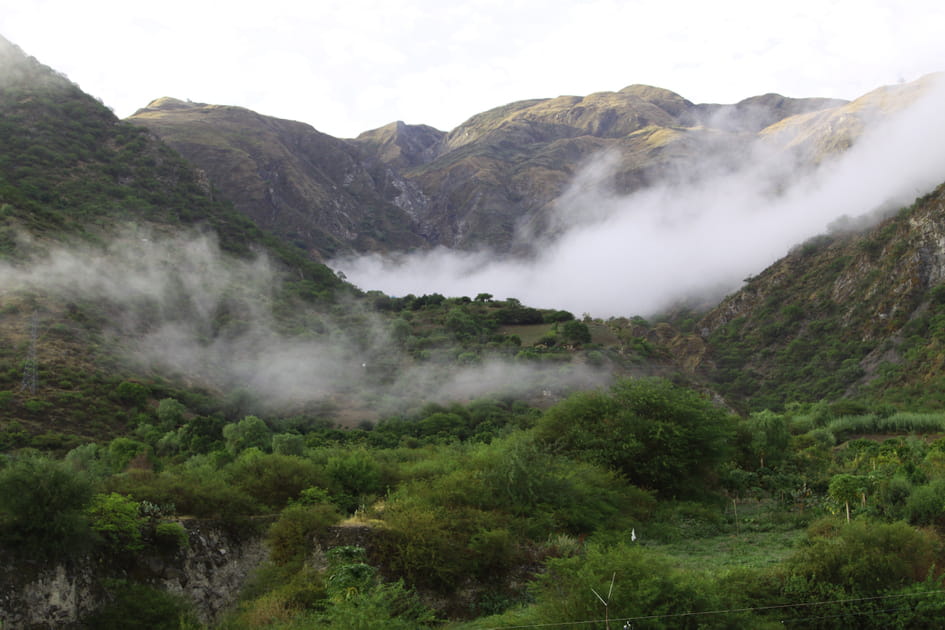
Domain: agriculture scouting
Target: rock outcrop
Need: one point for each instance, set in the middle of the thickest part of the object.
(209, 574)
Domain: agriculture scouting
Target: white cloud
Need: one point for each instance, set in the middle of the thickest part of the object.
(639, 253)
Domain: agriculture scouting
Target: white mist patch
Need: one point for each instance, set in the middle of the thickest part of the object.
(637, 254)
(179, 307)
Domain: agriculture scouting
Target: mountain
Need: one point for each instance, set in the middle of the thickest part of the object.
(245, 312)
(858, 313)
(491, 182)
(816, 135)
(402, 146)
(105, 233)
(495, 181)
(305, 186)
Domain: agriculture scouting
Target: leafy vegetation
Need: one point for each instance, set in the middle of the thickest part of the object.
(776, 462)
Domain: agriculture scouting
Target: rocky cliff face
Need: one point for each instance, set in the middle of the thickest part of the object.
(209, 574)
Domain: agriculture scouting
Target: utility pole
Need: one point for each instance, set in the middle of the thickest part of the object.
(30, 368)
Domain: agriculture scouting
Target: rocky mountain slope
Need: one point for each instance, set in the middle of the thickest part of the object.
(494, 181)
(850, 313)
(307, 187)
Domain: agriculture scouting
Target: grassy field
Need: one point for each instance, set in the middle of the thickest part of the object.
(730, 551)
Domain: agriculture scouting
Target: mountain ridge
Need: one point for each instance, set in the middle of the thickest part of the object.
(478, 185)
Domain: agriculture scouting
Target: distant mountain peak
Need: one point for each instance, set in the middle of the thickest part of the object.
(169, 102)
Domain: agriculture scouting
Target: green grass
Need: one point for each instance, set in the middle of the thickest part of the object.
(729, 551)
(529, 334)
(899, 423)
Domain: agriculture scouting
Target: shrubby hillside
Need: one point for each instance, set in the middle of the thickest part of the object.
(169, 369)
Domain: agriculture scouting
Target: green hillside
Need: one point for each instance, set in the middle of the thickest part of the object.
(80, 189)
(851, 313)
(177, 386)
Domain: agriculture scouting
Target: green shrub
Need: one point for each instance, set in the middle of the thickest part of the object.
(660, 436)
(135, 606)
(42, 506)
(132, 394)
(926, 504)
(866, 557)
(200, 493)
(116, 519)
(250, 432)
(388, 606)
(426, 544)
(170, 413)
(272, 479)
(288, 444)
(356, 474)
(171, 536)
(635, 583)
(293, 535)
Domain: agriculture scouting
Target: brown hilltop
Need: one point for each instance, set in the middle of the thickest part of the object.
(303, 185)
(484, 184)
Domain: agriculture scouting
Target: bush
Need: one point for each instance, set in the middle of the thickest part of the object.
(193, 492)
(132, 394)
(356, 475)
(115, 518)
(250, 432)
(292, 536)
(41, 507)
(866, 557)
(425, 544)
(926, 504)
(135, 606)
(272, 479)
(635, 582)
(660, 436)
(388, 606)
(288, 444)
(171, 536)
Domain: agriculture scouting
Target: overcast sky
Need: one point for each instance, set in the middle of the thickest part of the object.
(346, 66)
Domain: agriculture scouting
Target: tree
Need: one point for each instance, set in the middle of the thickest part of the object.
(661, 436)
(41, 506)
(845, 489)
(484, 297)
(400, 330)
(170, 413)
(769, 436)
(250, 432)
(288, 444)
(576, 332)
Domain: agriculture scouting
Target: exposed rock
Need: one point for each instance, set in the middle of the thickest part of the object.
(212, 571)
(210, 574)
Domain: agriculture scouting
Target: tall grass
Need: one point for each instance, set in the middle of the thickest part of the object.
(902, 422)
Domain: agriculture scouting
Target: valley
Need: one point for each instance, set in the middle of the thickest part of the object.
(206, 421)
